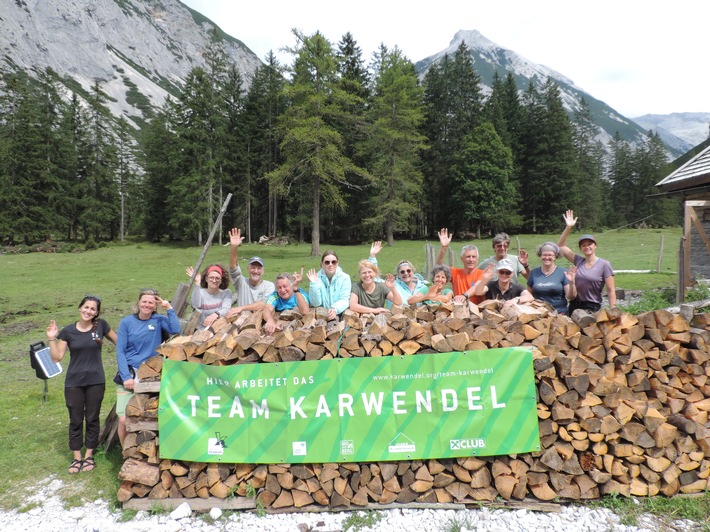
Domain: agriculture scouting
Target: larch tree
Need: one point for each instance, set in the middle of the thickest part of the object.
(394, 143)
(315, 165)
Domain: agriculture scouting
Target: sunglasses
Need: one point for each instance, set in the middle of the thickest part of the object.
(402, 272)
(329, 262)
(505, 272)
(149, 292)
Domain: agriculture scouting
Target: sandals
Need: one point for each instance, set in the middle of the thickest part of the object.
(75, 466)
(88, 464)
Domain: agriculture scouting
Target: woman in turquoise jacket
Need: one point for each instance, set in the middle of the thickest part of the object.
(330, 286)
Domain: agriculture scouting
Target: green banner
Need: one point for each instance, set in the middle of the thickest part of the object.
(475, 403)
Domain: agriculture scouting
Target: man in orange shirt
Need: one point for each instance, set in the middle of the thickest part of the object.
(462, 279)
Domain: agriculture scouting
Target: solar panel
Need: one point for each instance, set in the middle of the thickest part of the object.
(49, 367)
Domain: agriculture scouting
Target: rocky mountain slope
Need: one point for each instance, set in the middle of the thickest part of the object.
(684, 129)
(138, 49)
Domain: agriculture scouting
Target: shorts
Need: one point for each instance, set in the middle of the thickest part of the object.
(122, 398)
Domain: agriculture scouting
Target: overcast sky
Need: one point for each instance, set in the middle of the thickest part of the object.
(640, 57)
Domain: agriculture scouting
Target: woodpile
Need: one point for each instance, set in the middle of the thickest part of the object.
(623, 406)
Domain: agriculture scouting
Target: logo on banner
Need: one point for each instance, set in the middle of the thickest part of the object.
(401, 444)
(347, 447)
(457, 445)
(216, 445)
(299, 448)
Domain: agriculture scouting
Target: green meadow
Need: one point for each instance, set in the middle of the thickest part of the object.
(43, 286)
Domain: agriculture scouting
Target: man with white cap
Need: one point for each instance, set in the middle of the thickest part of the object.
(505, 288)
(251, 293)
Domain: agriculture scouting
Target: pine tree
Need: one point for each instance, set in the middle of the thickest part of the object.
(548, 164)
(622, 177)
(593, 189)
(393, 145)
(484, 198)
(312, 146)
(265, 102)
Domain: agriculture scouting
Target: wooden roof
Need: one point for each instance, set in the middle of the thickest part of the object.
(695, 173)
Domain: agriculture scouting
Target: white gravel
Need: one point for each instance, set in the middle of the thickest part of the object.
(47, 514)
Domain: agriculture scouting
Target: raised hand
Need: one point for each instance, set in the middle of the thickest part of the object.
(375, 248)
(52, 330)
(488, 273)
(389, 281)
(571, 274)
(523, 257)
(163, 302)
(445, 237)
(297, 278)
(569, 218)
(189, 271)
(235, 237)
(312, 275)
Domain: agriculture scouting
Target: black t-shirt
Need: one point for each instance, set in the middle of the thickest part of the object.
(494, 292)
(85, 365)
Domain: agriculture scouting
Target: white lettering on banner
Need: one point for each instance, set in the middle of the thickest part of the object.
(212, 406)
(322, 407)
(260, 409)
(478, 443)
(451, 395)
(236, 408)
(397, 402)
(373, 403)
(347, 404)
(296, 407)
(472, 398)
(423, 401)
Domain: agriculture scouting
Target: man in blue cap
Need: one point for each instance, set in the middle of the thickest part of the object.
(249, 293)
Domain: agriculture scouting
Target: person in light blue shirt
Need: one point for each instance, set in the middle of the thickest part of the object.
(330, 286)
(408, 283)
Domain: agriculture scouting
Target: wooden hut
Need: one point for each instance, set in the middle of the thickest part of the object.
(691, 181)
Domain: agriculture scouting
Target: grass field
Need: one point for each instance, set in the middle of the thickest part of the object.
(44, 286)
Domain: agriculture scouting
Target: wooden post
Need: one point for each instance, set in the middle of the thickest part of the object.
(680, 290)
(180, 298)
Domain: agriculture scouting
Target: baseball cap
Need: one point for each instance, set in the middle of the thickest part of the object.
(505, 264)
(587, 237)
(256, 259)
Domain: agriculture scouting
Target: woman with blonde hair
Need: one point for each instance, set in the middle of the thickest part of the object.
(549, 283)
(138, 337)
(369, 296)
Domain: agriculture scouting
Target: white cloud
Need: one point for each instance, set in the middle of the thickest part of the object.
(638, 57)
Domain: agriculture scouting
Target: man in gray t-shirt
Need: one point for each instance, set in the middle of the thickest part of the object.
(249, 293)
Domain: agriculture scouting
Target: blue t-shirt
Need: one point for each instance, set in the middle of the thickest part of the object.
(280, 304)
(550, 288)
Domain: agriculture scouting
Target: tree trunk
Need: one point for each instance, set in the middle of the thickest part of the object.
(315, 229)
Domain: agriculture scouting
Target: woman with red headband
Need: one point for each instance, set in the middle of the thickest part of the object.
(212, 298)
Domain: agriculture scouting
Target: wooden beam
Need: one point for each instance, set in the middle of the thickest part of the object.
(701, 230)
(698, 203)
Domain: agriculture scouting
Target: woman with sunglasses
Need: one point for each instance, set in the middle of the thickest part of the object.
(210, 295)
(408, 283)
(504, 289)
(593, 273)
(85, 381)
(138, 337)
(330, 286)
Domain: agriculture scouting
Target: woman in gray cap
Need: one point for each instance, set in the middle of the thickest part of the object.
(593, 273)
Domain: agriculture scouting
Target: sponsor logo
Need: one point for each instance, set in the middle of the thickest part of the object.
(457, 445)
(215, 446)
(299, 448)
(401, 444)
(347, 447)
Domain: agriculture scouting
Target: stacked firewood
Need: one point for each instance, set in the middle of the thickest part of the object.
(623, 407)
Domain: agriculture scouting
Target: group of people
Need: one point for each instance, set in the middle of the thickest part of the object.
(566, 289)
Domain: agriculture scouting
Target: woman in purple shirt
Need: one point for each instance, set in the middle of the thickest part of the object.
(593, 273)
